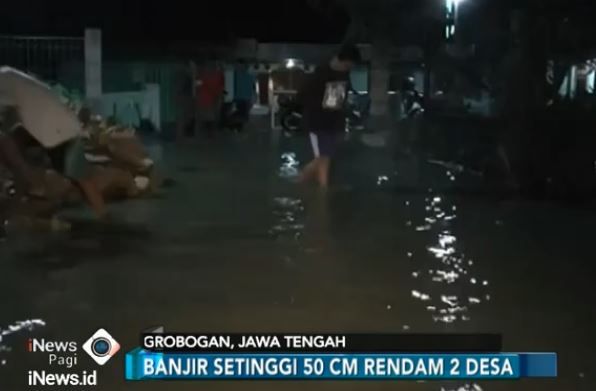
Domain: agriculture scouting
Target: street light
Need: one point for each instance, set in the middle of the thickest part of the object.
(453, 3)
(452, 7)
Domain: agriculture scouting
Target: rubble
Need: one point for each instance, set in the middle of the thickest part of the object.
(117, 166)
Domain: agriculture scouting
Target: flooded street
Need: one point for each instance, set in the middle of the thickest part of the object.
(233, 245)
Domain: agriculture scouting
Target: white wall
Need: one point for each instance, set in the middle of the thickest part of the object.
(122, 105)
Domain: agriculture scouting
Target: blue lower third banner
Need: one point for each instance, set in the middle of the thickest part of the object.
(145, 365)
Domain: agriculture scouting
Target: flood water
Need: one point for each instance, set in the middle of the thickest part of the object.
(235, 246)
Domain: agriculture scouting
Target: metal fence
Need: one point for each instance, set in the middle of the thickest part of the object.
(53, 59)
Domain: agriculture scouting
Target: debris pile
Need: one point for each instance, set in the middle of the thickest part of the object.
(54, 152)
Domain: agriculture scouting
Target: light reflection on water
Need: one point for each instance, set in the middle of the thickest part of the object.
(288, 212)
(465, 387)
(290, 166)
(382, 179)
(446, 284)
(450, 273)
(453, 288)
(288, 218)
(18, 326)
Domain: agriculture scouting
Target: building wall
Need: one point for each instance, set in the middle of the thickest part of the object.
(125, 76)
(360, 79)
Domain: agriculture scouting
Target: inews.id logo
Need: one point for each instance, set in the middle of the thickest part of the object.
(101, 346)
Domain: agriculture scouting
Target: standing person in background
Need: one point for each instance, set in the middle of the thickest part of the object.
(244, 91)
(210, 95)
(185, 95)
(323, 98)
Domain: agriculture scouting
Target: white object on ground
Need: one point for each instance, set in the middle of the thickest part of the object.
(142, 182)
(147, 162)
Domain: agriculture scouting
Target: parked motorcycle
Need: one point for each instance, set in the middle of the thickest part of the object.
(230, 117)
(412, 99)
(412, 109)
(290, 113)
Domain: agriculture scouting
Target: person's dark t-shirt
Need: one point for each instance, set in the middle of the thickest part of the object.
(323, 98)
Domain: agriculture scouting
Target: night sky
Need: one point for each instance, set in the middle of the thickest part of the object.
(197, 20)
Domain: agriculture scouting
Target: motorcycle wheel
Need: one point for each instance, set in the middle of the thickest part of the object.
(290, 122)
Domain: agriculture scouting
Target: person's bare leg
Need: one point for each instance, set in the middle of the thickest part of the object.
(309, 171)
(323, 171)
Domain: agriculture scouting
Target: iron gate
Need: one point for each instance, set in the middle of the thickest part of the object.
(52, 59)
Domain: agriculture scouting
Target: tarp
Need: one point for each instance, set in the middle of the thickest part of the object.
(42, 113)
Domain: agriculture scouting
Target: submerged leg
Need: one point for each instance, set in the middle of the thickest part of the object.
(323, 171)
(309, 172)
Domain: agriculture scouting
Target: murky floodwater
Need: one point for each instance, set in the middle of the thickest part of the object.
(235, 245)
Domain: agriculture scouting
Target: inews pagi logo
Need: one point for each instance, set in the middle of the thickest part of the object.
(100, 347)
(63, 354)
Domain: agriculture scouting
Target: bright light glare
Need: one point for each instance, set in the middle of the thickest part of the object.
(452, 4)
(290, 63)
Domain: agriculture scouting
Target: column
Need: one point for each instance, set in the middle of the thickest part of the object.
(93, 80)
(379, 83)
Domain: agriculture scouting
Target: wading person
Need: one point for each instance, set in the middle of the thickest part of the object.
(323, 98)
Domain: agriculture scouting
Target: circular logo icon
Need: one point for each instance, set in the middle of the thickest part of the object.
(101, 347)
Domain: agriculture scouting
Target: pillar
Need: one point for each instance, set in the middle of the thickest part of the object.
(379, 83)
(93, 79)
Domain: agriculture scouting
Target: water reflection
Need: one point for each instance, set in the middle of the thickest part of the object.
(288, 215)
(449, 274)
(445, 280)
(382, 179)
(465, 387)
(290, 166)
(288, 211)
(28, 325)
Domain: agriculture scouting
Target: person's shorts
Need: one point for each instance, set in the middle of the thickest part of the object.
(323, 143)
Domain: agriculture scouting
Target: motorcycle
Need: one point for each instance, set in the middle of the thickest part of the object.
(231, 117)
(410, 133)
(290, 113)
(412, 99)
